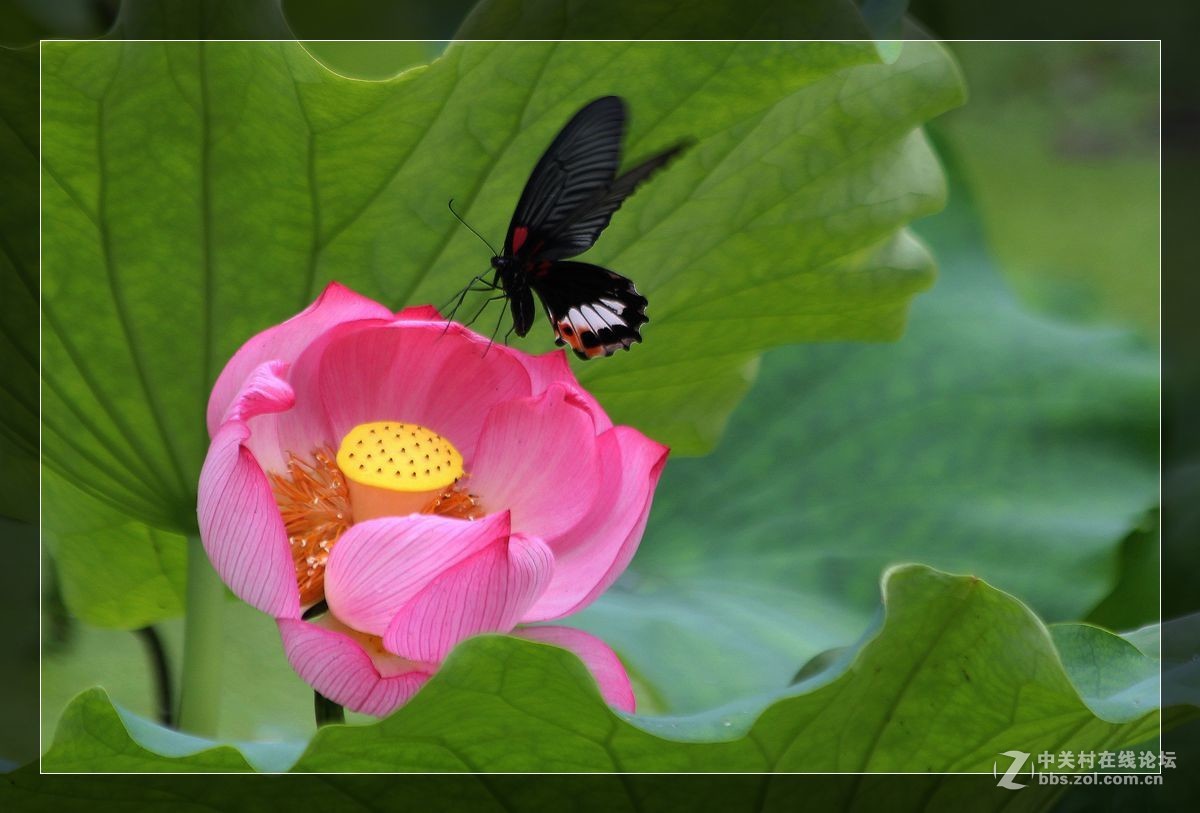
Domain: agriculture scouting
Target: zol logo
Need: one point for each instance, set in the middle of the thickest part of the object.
(1019, 758)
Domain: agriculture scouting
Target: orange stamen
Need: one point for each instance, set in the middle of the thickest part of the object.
(314, 501)
(455, 503)
(315, 505)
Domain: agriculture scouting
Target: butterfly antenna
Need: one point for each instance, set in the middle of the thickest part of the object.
(468, 225)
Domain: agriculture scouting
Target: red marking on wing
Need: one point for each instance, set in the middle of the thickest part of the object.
(519, 235)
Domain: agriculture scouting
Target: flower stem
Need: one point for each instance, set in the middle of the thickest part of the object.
(200, 683)
(161, 671)
(327, 711)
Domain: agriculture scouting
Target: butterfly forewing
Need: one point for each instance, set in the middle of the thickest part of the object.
(580, 231)
(579, 164)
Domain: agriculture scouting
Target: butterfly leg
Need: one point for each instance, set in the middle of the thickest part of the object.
(495, 330)
(483, 307)
(462, 295)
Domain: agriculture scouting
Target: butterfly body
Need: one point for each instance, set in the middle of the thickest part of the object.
(569, 199)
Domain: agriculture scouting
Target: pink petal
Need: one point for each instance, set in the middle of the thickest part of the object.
(420, 313)
(538, 458)
(380, 565)
(596, 655)
(240, 524)
(589, 559)
(346, 669)
(264, 396)
(486, 592)
(306, 427)
(554, 368)
(264, 391)
(442, 377)
(285, 341)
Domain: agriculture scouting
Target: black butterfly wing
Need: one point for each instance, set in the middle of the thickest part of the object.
(594, 310)
(580, 231)
(579, 164)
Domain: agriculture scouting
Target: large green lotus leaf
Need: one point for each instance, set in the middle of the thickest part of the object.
(196, 193)
(957, 673)
(18, 284)
(1110, 672)
(665, 20)
(261, 700)
(372, 60)
(19, 682)
(990, 440)
(114, 571)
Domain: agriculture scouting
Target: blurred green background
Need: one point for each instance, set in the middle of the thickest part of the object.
(1059, 145)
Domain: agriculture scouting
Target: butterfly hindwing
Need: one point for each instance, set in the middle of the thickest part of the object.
(594, 310)
(579, 164)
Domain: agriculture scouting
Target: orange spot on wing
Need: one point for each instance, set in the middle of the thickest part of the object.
(570, 336)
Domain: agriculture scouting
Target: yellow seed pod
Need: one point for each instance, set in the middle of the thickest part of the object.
(399, 457)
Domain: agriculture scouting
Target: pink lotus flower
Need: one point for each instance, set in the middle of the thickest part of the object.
(426, 490)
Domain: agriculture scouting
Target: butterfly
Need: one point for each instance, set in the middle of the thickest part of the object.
(569, 199)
